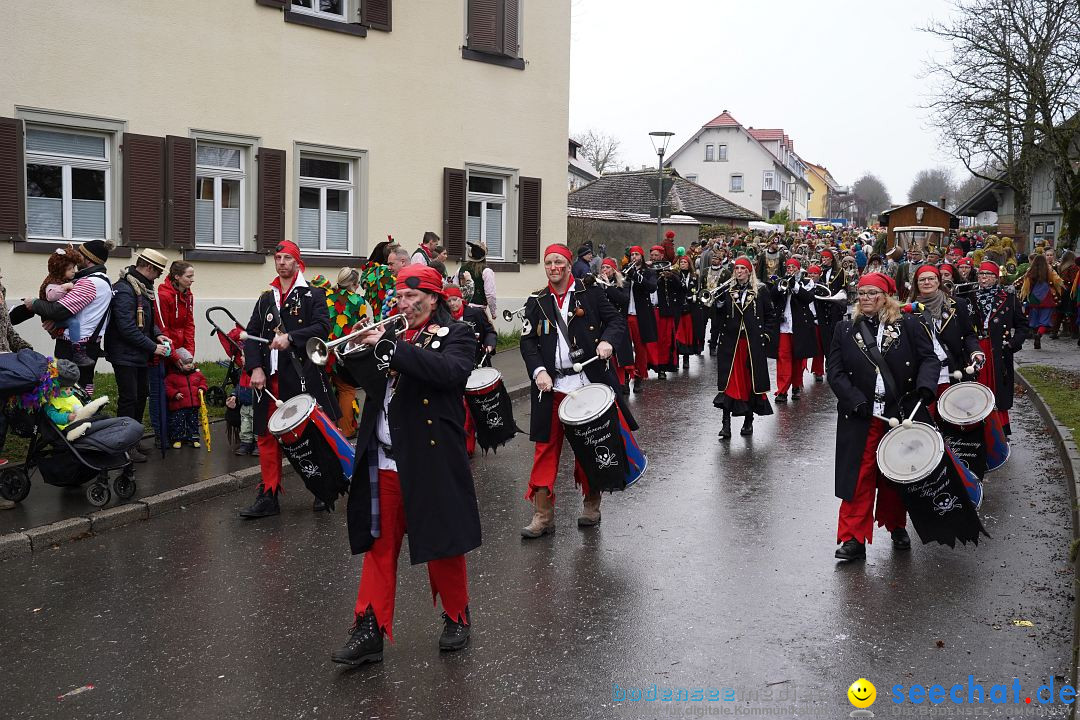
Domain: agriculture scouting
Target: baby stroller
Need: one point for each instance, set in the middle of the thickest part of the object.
(101, 449)
(234, 349)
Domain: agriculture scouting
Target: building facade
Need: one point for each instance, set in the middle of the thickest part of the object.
(823, 187)
(212, 130)
(1045, 221)
(757, 169)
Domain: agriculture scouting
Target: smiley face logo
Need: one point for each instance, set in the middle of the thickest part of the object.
(862, 693)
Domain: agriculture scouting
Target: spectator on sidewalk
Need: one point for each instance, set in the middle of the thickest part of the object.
(9, 342)
(424, 254)
(133, 337)
(176, 317)
(183, 384)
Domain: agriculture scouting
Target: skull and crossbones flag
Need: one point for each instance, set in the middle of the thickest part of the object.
(940, 506)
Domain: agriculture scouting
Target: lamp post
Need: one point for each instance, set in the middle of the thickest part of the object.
(660, 139)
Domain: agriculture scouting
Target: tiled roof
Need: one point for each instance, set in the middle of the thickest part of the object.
(631, 193)
(765, 135)
(724, 119)
(587, 214)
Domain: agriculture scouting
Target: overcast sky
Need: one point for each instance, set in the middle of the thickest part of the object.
(841, 77)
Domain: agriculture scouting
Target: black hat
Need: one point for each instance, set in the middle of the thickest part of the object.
(476, 251)
(585, 249)
(67, 372)
(96, 251)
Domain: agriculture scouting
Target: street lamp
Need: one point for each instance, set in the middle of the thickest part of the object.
(660, 139)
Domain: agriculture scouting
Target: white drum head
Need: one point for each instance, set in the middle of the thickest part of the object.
(909, 454)
(965, 403)
(293, 412)
(586, 404)
(482, 379)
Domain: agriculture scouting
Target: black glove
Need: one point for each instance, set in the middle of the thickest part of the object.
(862, 410)
(928, 396)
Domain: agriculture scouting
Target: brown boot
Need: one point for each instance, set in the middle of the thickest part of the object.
(590, 513)
(543, 520)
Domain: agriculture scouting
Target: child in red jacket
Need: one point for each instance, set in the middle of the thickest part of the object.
(182, 385)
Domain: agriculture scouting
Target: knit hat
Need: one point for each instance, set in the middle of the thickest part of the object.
(96, 251)
(585, 249)
(67, 373)
(183, 355)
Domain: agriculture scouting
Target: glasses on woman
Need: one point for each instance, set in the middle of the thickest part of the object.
(868, 294)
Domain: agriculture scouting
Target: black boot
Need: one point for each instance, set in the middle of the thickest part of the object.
(781, 397)
(725, 429)
(364, 644)
(79, 356)
(265, 505)
(747, 425)
(819, 378)
(712, 351)
(455, 635)
(662, 375)
(637, 385)
(900, 539)
(319, 506)
(1038, 342)
(686, 362)
(851, 550)
(795, 392)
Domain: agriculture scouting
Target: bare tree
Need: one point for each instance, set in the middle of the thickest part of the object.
(599, 149)
(968, 188)
(871, 198)
(1006, 96)
(932, 185)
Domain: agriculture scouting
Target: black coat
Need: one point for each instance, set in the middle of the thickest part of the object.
(642, 285)
(670, 294)
(619, 297)
(303, 316)
(756, 318)
(957, 334)
(127, 343)
(1007, 331)
(853, 375)
(599, 321)
(830, 313)
(804, 342)
(483, 331)
(427, 433)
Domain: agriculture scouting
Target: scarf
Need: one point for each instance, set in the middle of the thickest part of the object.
(985, 298)
(934, 303)
(460, 312)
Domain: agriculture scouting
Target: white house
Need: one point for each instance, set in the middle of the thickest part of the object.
(757, 169)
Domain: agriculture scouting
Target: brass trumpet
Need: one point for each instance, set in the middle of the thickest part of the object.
(318, 350)
(509, 316)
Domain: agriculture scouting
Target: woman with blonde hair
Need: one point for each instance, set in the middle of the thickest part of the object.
(1039, 292)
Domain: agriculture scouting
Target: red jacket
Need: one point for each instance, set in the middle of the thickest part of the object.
(187, 386)
(177, 317)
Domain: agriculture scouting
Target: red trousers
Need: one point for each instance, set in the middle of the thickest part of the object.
(789, 370)
(470, 430)
(378, 579)
(269, 448)
(546, 458)
(641, 350)
(858, 514)
(818, 366)
(664, 357)
(988, 376)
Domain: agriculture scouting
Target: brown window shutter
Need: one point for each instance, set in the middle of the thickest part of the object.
(510, 28)
(179, 191)
(144, 190)
(529, 220)
(485, 26)
(454, 193)
(376, 14)
(12, 182)
(271, 211)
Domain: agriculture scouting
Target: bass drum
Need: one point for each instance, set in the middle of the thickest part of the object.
(604, 446)
(321, 455)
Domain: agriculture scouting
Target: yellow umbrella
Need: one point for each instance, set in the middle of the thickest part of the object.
(204, 420)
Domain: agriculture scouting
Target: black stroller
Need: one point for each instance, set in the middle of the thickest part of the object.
(92, 457)
(230, 340)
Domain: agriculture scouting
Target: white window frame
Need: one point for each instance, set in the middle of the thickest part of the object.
(768, 180)
(111, 128)
(316, 12)
(249, 148)
(710, 153)
(218, 174)
(484, 199)
(692, 178)
(358, 208)
(322, 185)
(66, 163)
(721, 153)
(731, 183)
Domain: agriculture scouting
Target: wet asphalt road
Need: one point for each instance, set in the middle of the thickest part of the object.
(715, 571)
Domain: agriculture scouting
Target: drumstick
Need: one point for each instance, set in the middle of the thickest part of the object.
(891, 422)
(579, 366)
(907, 421)
(277, 402)
(482, 360)
(245, 336)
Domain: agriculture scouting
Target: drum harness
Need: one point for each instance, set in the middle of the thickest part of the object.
(879, 362)
(279, 326)
(575, 353)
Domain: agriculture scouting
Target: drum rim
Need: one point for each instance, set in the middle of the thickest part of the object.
(487, 386)
(943, 410)
(589, 387)
(939, 442)
(297, 400)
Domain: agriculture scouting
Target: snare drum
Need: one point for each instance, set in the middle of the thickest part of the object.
(909, 453)
(491, 408)
(604, 446)
(317, 450)
(965, 404)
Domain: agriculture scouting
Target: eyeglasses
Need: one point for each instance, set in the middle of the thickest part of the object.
(927, 278)
(869, 294)
(986, 273)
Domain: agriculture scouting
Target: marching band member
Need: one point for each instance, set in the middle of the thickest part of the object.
(948, 321)
(565, 323)
(717, 273)
(829, 314)
(668, 299)
(641, 321)
(690, 330)
(288, 314)
(797, 339)
(1002, 329)
(618, 292)
(486, 338)
(876, 361)
(411, 447)
(749, 324)
(818, 310)
(965, 277)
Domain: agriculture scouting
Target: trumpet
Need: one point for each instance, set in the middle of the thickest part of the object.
(709, 297)
(960, 287)
(509, 316)
(661, 265)
(318, 350)
(821, 292)
(784, 284)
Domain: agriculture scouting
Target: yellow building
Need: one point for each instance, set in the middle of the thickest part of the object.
(824, 186)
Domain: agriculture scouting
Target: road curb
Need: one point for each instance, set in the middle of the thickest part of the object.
(1070, 462)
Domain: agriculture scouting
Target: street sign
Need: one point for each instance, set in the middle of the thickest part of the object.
(668, 182)
(665, 208)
